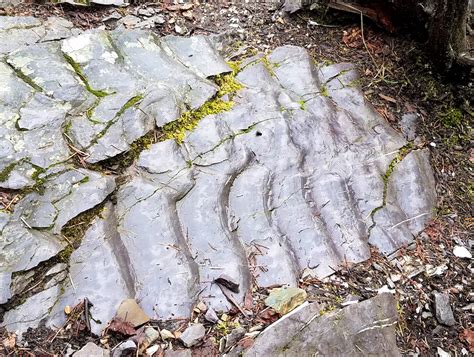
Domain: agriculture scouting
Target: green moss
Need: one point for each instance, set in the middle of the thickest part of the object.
(65, 253)
(270, 66)
(302, 104)
(227, 84)
(130, 103)
(85, 179)
(324, 91)
(125, 159)
(26, 79)
(189, 120)
(452, 118)
(35, 176)
(6, 171)
(78, 70)
(75, 229)
(402, 153)
(235, 66)
(90, 112)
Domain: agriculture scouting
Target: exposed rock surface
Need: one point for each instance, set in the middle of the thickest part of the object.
(444, 313)
(298, 172)
(363, 329)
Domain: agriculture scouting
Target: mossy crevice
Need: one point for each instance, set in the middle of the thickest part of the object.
(20, 74)
(99, 93)
(401, 154)
(121, 162)
(130, 103)
(228, 86)
(7, 170)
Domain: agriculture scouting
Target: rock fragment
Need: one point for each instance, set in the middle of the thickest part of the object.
(211, 316)
(462, 252)
(234, 336)
(146, 337)
(166, 334)
(284, 300)
(444, 313)
(193, 335)
(91, 350)
(124, 349)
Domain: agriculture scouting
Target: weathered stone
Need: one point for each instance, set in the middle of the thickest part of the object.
(284, 300)
(124, 349)
(192, 335)
(34, 310)
(444, 313)
(211, 316)
(408, 125)
(166, 335)
(178, 353)
(234, 336)
(91, 350)
(99, 265)
(150, 335)
(362, 329)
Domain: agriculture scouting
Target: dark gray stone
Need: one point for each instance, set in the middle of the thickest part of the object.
(444, 313)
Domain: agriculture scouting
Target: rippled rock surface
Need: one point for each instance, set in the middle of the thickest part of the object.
(296, 172)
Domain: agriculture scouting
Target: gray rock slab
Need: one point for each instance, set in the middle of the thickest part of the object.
(97, 268)
(193, 334)
(17, 32)
(31, 233)
(34, 310)
(362, 329)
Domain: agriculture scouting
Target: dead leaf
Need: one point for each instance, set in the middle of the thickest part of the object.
(206, 349)
(67, 310)
(387, 98)
(248, 301)
(119, 325)
(468, 336)
(410, 108)
(10, 342)
(267, 316)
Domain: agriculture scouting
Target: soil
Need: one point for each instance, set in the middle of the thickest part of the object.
(397, 78)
